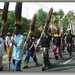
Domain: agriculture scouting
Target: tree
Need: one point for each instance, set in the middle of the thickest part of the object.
(0, 19)
(41, 18)
(10, 21)
(60, 18)
(57, 17)
(25, 26)
(65, 23)
(60, 13)
(68, 17)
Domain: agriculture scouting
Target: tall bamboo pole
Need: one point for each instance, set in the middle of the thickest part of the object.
(48, 19)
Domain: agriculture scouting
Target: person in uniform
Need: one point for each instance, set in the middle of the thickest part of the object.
(69, 39)
(57, 44)
(30, 50)
(45, 42)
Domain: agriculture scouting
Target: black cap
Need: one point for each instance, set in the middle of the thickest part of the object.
(18, 26)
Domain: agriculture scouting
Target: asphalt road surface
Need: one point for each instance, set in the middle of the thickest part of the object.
(63, 65)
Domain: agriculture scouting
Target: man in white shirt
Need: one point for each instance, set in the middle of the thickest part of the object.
(16, 53)
(1, 52)
(8, 40)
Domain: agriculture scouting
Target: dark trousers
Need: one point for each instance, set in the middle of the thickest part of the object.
(16, 65)
(69, 49)
(45, 56)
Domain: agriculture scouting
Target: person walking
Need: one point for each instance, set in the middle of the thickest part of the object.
(17, 43)
(7, 41)
(1, 51)
(69, 41)
(45, 42)
(57, 44)
(30, 50)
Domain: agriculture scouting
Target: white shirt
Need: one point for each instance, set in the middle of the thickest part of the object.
(11, 39)
(8, 40)
(1, 47)
(17, 52)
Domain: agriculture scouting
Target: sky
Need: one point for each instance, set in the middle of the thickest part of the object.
(30, 8)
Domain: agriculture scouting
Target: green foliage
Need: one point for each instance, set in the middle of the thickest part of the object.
(65, 23)
(25, 26)
(40, 21)
(10, 21)
(67, 19)
(56, 22)
(41, 18)
(0, 19)
(61, 13)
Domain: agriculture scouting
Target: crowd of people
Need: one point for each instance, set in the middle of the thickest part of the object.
(16, 45)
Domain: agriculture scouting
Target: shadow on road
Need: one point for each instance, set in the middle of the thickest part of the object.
(35, 66)
(60, 67)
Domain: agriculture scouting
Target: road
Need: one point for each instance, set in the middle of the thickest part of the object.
(66, 64)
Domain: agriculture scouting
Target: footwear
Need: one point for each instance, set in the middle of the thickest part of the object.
(1, 69)
(21, 70)
(50, 63)
(25, 67)
(70, 56)
(56, 57)
(43, 68)
(36, 64)
(61, 56)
